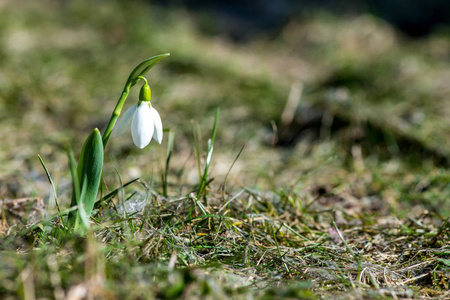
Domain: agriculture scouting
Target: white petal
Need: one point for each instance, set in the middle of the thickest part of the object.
(142, 125)
(158, 132)
(125, 121)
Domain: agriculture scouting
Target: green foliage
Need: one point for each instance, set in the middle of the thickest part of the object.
(86, 181)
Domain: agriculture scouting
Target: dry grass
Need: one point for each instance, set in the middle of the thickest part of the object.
(347, 197)
(249, 244)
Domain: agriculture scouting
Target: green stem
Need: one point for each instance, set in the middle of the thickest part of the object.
(117, 110)
(115, 115)
(142, 78)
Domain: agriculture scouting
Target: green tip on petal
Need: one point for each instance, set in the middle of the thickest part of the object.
(145, 94)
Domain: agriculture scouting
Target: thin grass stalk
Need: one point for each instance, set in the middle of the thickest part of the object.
(169, 155)
(53, 189)
(208, 156)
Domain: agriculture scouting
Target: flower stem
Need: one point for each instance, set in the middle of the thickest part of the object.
(115, 115)
(142, 78)
(135, 75)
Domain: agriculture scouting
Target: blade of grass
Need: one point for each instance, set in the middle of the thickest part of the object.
(146, 212)
(278, 249)
(169, 155)
(356, 258)
(295, 232)
(206, 216)
(229, 201)
(196, 136)
(113, 193)
(53, 189)
(122, 202)
(200, 205)
(229, 170)
(344, 241)
(439, 234)
(208, 156)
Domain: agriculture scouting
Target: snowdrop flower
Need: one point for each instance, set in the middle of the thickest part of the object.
(144, 120)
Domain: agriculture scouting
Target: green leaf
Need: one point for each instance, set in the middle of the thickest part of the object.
(89, 172)
(144, 67)
(76, 196)
(444, 261)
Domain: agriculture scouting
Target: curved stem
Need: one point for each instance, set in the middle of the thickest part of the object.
(142, 78)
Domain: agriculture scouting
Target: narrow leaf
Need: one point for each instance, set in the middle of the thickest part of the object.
(208, 156)
(53, 189)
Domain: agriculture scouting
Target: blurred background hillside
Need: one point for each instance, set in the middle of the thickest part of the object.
(246, 19)
(344, 98)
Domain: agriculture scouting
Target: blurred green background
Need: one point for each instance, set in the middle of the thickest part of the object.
(348, 99)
